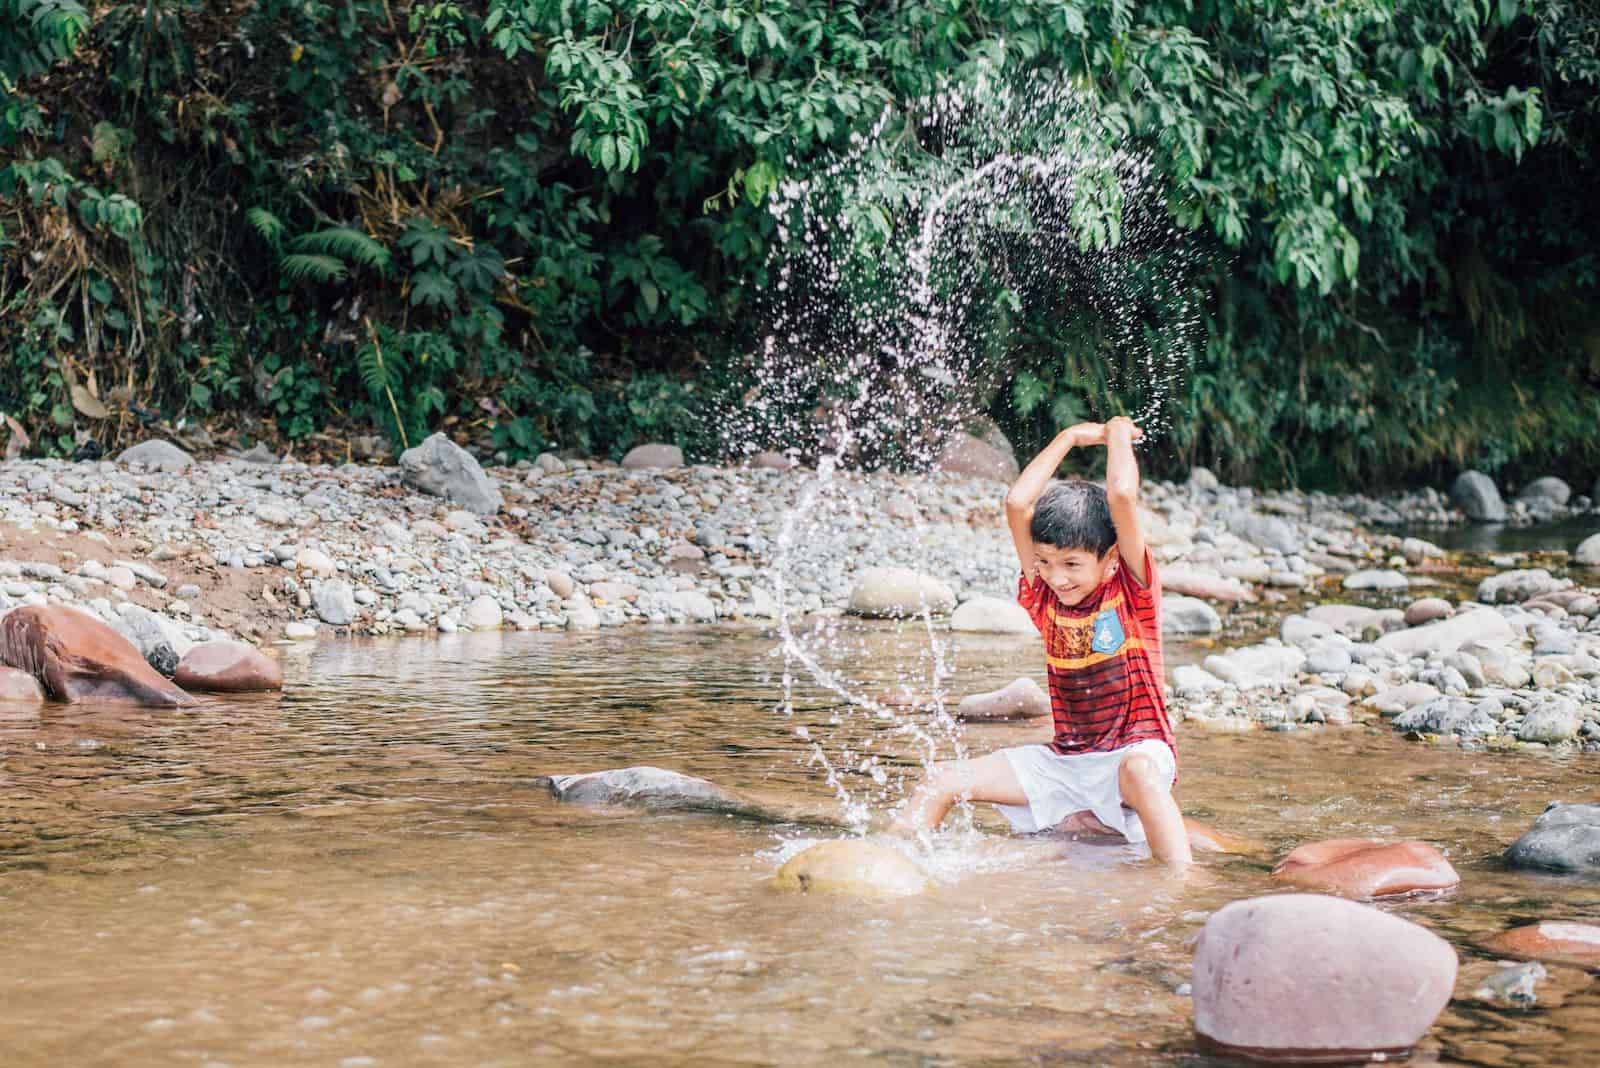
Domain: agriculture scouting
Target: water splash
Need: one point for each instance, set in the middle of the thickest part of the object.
(903, 286)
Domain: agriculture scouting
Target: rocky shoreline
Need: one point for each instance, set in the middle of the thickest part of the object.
(171, 552)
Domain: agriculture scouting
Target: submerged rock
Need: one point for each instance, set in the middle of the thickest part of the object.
(1312, 978)
(1363, 868)
(647, 787)
(1563, 838)
(18, 685)
(1204, 838)
(228, 667)
(76, 657)
(1516, 985)
(992, 615)
(897, 592)
(1555, 942)
(854, 867)
(1022, 699)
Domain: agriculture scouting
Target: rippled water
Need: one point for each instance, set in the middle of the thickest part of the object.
(363, 872)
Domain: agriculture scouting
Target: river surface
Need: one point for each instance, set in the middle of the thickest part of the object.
(365, 872)
(1563, 535)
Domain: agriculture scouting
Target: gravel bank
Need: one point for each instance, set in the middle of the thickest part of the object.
(272, 552)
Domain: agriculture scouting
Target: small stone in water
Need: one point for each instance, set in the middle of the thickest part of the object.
(1515, 985)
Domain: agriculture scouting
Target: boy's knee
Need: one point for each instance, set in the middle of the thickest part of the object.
(1139, 774)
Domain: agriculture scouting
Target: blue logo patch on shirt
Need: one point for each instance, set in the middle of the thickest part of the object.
(1108, 636)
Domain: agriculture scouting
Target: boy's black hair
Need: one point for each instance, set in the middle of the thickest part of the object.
(1074, 514)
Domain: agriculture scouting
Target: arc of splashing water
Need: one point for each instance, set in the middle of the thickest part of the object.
(931, 336)
(793, 649)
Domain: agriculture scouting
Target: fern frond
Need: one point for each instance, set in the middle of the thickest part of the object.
(380, 370)
(268, 225)
(347, 243)
(323, 270)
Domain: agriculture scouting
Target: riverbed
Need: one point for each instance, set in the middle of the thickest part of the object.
(365, 871)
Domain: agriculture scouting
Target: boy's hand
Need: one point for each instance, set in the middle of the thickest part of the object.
(1119, 425)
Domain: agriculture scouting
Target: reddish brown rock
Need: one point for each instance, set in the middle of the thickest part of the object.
(228, 667)
(1558, 943)
(1362, 868)
(1427, 610)
(1315, 979)
(78, 658)
(16, 685)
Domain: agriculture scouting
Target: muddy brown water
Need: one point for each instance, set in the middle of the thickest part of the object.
(363, 872)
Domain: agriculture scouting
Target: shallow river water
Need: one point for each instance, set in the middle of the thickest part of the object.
(365, 872)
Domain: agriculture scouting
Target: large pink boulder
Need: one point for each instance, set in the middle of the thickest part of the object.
(1558, 943)
(17, 685)
(1315, 979)
(1362, 868)
(228, 667)
(78, 658)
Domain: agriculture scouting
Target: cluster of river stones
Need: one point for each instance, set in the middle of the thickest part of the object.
(1318, 975)
(440, 545)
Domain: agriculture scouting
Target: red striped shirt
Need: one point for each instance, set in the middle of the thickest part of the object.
(1103, 659)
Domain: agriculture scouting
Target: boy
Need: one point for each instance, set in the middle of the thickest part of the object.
(1091, 587)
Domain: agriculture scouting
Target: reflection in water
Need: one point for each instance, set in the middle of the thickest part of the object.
(1564, 535)
(364, 872)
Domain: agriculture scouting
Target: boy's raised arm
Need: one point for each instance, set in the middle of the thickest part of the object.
(1122, 494)
(1034, 478)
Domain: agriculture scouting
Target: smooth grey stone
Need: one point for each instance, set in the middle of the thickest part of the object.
(648, 787)
(1563, 838)
(1476, 495)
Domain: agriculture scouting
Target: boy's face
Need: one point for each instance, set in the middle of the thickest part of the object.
(1072, 573)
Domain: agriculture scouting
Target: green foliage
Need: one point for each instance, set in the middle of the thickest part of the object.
(549, 217)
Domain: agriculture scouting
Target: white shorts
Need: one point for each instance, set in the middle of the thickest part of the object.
(1057, 786)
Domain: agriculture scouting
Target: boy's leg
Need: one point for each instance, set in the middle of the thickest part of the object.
(1146, 791)
(987, 778)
